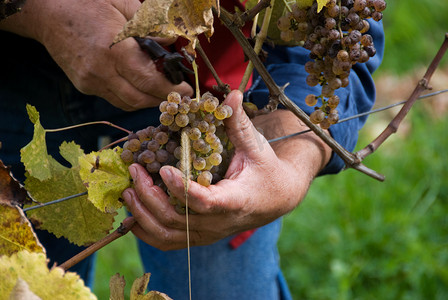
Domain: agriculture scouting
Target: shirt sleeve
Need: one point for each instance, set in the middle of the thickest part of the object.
(286, 65)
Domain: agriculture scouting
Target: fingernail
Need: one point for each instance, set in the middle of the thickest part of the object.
(133, 171)
(166, 174)
(127, 196)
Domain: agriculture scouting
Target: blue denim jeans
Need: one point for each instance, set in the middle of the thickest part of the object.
(220, 272)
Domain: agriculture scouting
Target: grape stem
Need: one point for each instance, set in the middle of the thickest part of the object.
(276, 93)
(250, 14)
(124, 228)
(222, 87)
(392, 128)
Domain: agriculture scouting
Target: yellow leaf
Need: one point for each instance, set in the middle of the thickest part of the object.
(48, 284)
(321, 4)
(16, 232)
(106, 176)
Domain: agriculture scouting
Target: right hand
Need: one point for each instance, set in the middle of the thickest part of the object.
(78, 33)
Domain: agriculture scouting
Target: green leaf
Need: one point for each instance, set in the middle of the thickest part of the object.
(16, 232)
(54, 283)
(77, 219)
(321, 4)
(106, 176)
(34, 155)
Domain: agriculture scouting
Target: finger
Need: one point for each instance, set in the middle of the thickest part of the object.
(213, 199)
(127, 7)
(241, 131)
(149, 229)
(154, 199)
(139, 70)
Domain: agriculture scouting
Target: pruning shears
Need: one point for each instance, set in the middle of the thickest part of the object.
(168, 63)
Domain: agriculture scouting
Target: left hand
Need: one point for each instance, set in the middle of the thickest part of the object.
(259, 187)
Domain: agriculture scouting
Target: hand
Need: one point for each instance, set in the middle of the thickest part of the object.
(260, 186)
(78, 33)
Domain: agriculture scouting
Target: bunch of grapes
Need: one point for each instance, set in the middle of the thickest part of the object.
(202, 120)
(337, 39)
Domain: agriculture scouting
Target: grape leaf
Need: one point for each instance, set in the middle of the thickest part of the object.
(46, 283)
(307, 3)
(106, 176)
(171, 18)
(34, 155)
(17, 233)
(77, 219)
(321, 4)
(11, 191)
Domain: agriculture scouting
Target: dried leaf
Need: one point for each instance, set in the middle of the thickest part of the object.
(139, 288)
(116, 286)
(46, 283)
(11, 191)
(171, 18)
(106, 176)
(77, 219)
(16, 234)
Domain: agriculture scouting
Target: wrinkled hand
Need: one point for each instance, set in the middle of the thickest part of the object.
(78, 33)
(259, 187)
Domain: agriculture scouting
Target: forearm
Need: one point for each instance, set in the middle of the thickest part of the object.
(304, 155)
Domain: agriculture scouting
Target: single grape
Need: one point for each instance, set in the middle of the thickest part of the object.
(134, 145)
(311, 100)
(166, 118)
(162, 155)
(181, 120)
(174, 97)
(205, 178)
(215, 159)
(317, 116)
(199, 163)
(127, 156)
(153, 145)
(161, 137)
(146, 157)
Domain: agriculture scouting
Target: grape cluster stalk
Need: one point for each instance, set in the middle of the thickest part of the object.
(202, 120)
(337, 39)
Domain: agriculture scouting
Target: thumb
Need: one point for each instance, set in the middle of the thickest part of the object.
(240, 129)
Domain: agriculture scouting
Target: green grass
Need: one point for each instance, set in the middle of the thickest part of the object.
(415, 29)
(355, 238)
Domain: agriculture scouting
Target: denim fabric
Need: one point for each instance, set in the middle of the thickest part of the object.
(219, 272)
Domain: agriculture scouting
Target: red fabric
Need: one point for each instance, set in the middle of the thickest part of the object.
(239, 239)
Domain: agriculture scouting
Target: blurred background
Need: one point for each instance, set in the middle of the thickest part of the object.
(354, 237)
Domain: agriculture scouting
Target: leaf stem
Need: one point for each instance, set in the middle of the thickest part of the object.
(87, 124)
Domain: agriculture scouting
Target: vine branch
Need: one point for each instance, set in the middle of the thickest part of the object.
(422, 85)
(124, 228)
